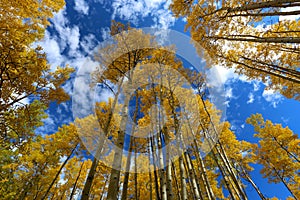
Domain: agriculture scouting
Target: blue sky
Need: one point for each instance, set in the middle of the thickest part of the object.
(83, 24)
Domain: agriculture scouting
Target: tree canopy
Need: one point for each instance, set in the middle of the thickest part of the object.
(158, 135)
(248, 36)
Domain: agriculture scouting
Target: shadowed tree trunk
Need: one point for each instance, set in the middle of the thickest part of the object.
(75, 184)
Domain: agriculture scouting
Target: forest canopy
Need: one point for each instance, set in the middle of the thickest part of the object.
(158, 134)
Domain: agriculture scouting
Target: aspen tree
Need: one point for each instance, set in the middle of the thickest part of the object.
(228, 32)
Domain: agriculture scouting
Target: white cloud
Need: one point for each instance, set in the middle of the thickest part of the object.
(59, 18)
(244, 154)
(256, 85)
(164, 19)
(289, 17)
(228, 93)
(217, 77)
(73, 39)
(273, 97)
(153, 4)
(88, 43)
(133, 11)
(68, 36)
(128, 10)
(81, 6)
(83, 94)
(63, 47)
(251, 98)
(222, 74)
(105, 33)
(48, 127)
(53, 50)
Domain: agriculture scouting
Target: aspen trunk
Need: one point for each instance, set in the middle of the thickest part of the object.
(126, 176)
(202, 196)
(136, 187)
(279, 40)
(209, 139)
(191, 192)
(283, 181)
(191, 173)
(202, 170)
(176, 182)
(249, 179)
(91, 174)
(260, 69)
(196, 191)
(160, 136)
(204, 178)
(267, 4)
(178, 142)
(75, 184)
(150, 175)
(103, 188)
(92, 171)
(155, 169)
(169, 181)
(203, 174)
(113, 187)
(59, 171)
(163, 184)
(222, 170)
(226, 163)
(169, 166)
(232, 172)
(182, 179)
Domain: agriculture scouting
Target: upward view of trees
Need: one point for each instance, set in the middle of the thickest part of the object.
(158, 152)
(24, 71)
(269, 53)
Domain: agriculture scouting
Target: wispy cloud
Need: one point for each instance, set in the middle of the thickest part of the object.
(228, 93)
(251, 98)
(66, 39)
(256, 85)
(133, 11)
(220, 74)
(81, 6)
(88, 44)
(273, 97)
(105, 33)
(49, 125)
(53, 50)
(83, 94)
(68, 35)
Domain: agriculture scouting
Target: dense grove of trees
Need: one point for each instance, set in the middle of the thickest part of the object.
(270, 54)
(58, 166)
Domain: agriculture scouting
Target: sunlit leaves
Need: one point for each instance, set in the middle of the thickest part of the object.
(24, 71)
(247, 35)
(278, 152)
